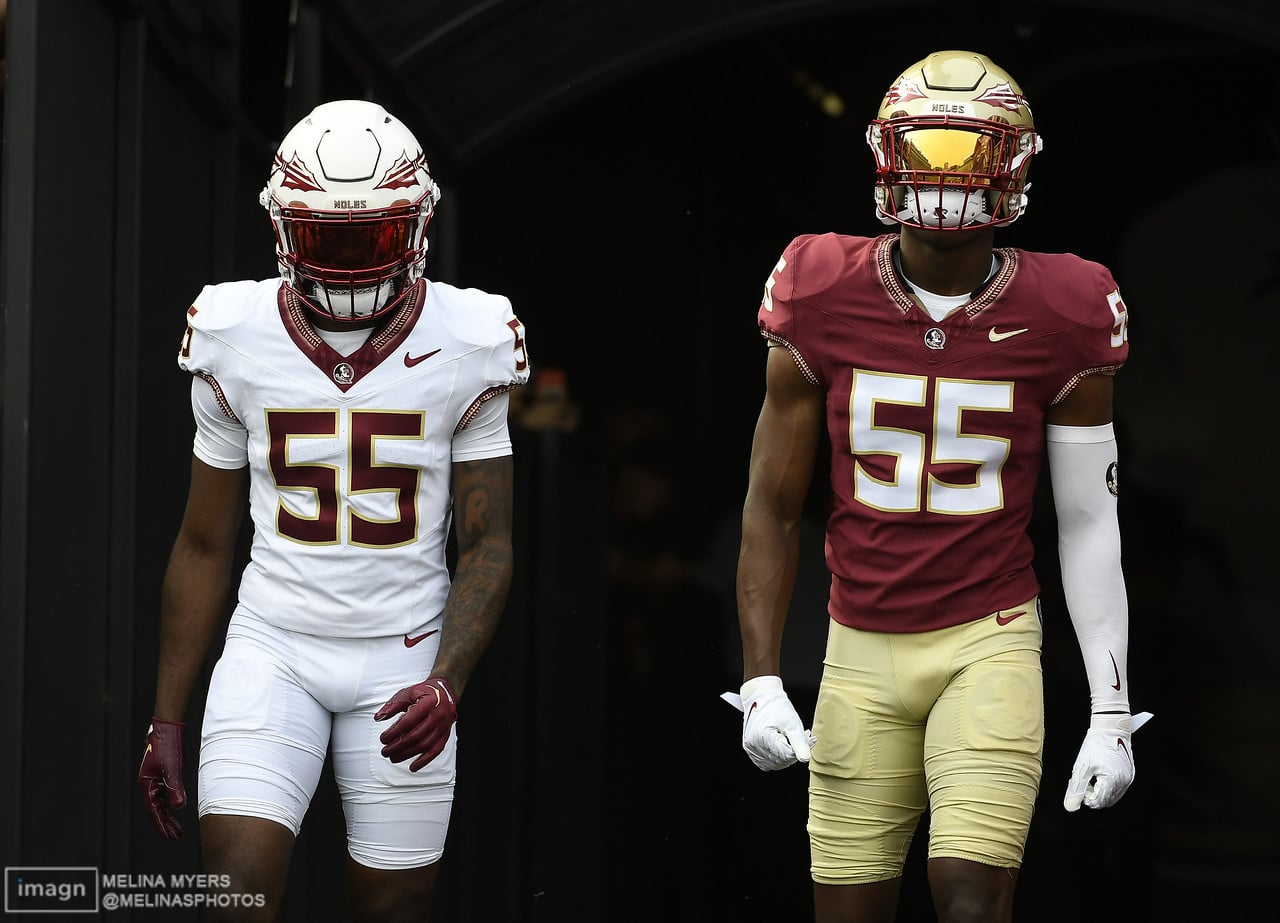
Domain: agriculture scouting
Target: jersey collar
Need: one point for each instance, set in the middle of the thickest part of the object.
(345, 371)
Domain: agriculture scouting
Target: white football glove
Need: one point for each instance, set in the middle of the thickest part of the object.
(772, 733)
(1104, 768)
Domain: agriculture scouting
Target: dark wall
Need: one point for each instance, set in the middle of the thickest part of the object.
(133, 159)
(601, 777)
(71, 409)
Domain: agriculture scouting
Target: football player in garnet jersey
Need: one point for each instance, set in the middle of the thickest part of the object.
(362, 409)
(944, 369)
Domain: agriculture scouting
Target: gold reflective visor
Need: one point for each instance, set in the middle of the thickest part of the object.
(947, 150)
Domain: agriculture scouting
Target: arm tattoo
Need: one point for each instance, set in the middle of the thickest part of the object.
(482, 524)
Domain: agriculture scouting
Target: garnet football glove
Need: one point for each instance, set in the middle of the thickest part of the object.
(429, 713)
(1104, 768)
(772, 733)
(160, 776)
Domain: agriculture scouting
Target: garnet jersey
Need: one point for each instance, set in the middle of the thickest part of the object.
(350, 457)
(937, 428)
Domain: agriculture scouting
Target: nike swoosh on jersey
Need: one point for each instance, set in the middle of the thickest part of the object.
(995, 336)
(1006, 619)
(411, 361)
(410, 642)
(1116, 684)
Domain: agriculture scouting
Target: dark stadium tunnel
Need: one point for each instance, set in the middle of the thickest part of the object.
(627, 174)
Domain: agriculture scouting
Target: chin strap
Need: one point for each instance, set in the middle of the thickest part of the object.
(953, 208)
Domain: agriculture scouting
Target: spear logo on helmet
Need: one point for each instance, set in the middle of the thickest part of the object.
(296, 175)
(403, 173)
(1003, 95)
(903, 91)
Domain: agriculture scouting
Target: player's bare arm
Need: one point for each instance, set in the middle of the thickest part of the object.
(195, 588)
(482, 525)
(196, 581)
(782, 457)
(783, 453)
(477, 594)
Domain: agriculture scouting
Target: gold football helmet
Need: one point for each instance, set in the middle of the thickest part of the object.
(953, 140)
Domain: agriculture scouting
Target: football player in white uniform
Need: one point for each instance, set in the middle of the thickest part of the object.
(362, 409)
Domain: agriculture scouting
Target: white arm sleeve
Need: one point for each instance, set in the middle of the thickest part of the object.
(220, 442)
(486, 434)
(1082, 470)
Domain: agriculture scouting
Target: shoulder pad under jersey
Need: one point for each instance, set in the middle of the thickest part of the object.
(791, 310)
(484, 320)
(227, 304)
(1085, 294)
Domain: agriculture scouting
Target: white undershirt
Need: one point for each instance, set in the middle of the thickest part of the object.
(939, 306)
(345, 342)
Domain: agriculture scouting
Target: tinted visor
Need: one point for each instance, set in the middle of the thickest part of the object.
(350, 245)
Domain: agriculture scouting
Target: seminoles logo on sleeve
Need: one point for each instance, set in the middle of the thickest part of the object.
(403, 173)
(296, 175)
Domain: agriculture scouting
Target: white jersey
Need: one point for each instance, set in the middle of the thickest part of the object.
(350, 457)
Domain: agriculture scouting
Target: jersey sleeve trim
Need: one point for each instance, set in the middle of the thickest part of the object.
(474, 409)
(1079, 377)
(221, 441)
(220, 396)
(800, 361)
(487, 435)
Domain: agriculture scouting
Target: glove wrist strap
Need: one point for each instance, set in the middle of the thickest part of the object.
(758, 684)
(1121, 721)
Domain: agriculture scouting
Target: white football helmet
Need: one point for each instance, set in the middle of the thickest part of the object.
(350, 198)
(952, 141)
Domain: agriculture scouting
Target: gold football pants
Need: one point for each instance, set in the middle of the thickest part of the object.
(951, 719)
